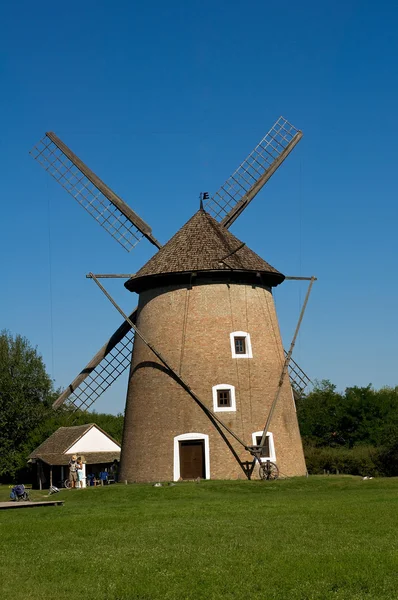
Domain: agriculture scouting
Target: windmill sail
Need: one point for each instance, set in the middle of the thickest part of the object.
(103, 369)
(111, 212)
(299, 380)
(248, 179)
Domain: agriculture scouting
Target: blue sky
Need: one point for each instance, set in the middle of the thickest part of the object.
(164, 100)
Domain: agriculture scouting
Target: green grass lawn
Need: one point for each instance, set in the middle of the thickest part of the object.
(301, 539)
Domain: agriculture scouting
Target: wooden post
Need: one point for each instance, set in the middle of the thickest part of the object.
(51, 475)
(286, 364)
(39, 473)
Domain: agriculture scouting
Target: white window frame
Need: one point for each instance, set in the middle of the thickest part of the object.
(272, 455)
(224, 386)
(246, 335)
(190, 436)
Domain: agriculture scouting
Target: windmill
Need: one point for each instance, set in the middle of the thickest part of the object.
(205, 328)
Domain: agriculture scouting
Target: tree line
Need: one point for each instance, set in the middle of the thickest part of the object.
(355, 431)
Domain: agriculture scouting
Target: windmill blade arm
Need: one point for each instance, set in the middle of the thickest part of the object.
(254, 190)
(249, 178)
(91, 192)
(102, 370)
(101, 186)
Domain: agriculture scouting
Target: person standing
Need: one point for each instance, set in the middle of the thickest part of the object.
(80, 472)
(114, 470)
(73, 471)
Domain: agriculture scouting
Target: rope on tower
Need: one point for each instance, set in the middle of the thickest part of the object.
(276, 334)
(185, 321)
(50, 278)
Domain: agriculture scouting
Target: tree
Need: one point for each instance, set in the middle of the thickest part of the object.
(26, 392)
(319, 415)
(359, 416)
(26, 414)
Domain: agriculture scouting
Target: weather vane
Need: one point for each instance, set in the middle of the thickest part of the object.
(203, 196)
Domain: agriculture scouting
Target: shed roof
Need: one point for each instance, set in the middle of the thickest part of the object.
(61, 440)
(91, 458)
(202, 244)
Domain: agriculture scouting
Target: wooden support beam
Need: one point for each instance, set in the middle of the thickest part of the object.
(112, 276)
(257, 452)
(212, 416)
(301, 278)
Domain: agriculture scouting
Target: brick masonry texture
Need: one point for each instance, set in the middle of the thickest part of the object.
(191, 327)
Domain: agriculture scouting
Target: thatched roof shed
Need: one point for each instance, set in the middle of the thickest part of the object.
(93, 444)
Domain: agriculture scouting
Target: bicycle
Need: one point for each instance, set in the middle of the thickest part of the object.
(67, 484)
(64, 484)
(268, 471)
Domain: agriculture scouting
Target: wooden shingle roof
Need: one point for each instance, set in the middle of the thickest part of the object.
(203, 245)
(54, 450)
(61, 440)
(91, 458)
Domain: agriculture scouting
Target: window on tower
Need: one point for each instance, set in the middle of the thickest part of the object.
(241, 344)
(265, 450)
(268, 451)
(224, 398)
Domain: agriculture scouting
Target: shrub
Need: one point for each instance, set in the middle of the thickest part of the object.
(360, 460)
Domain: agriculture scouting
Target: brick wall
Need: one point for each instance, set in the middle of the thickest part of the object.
(191, 328)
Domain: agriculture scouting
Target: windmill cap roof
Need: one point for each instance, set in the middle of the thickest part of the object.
(202, 245)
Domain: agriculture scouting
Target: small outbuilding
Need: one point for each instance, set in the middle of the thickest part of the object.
(98, 451)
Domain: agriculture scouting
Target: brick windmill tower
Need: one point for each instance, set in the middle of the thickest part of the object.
(206, 365)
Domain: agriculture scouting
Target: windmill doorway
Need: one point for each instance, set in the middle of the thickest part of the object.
(191, 456)
(192, 459)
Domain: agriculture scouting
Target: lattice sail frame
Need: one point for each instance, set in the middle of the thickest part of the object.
(253, 173)
(104, 374)
(299, 380)
(113, 214)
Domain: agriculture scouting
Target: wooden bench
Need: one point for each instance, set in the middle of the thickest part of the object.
(29, 504)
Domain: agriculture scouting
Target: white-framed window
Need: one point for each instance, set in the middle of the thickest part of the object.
(269, 447)
(224, 398)
(187, 437)
(241, 346)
